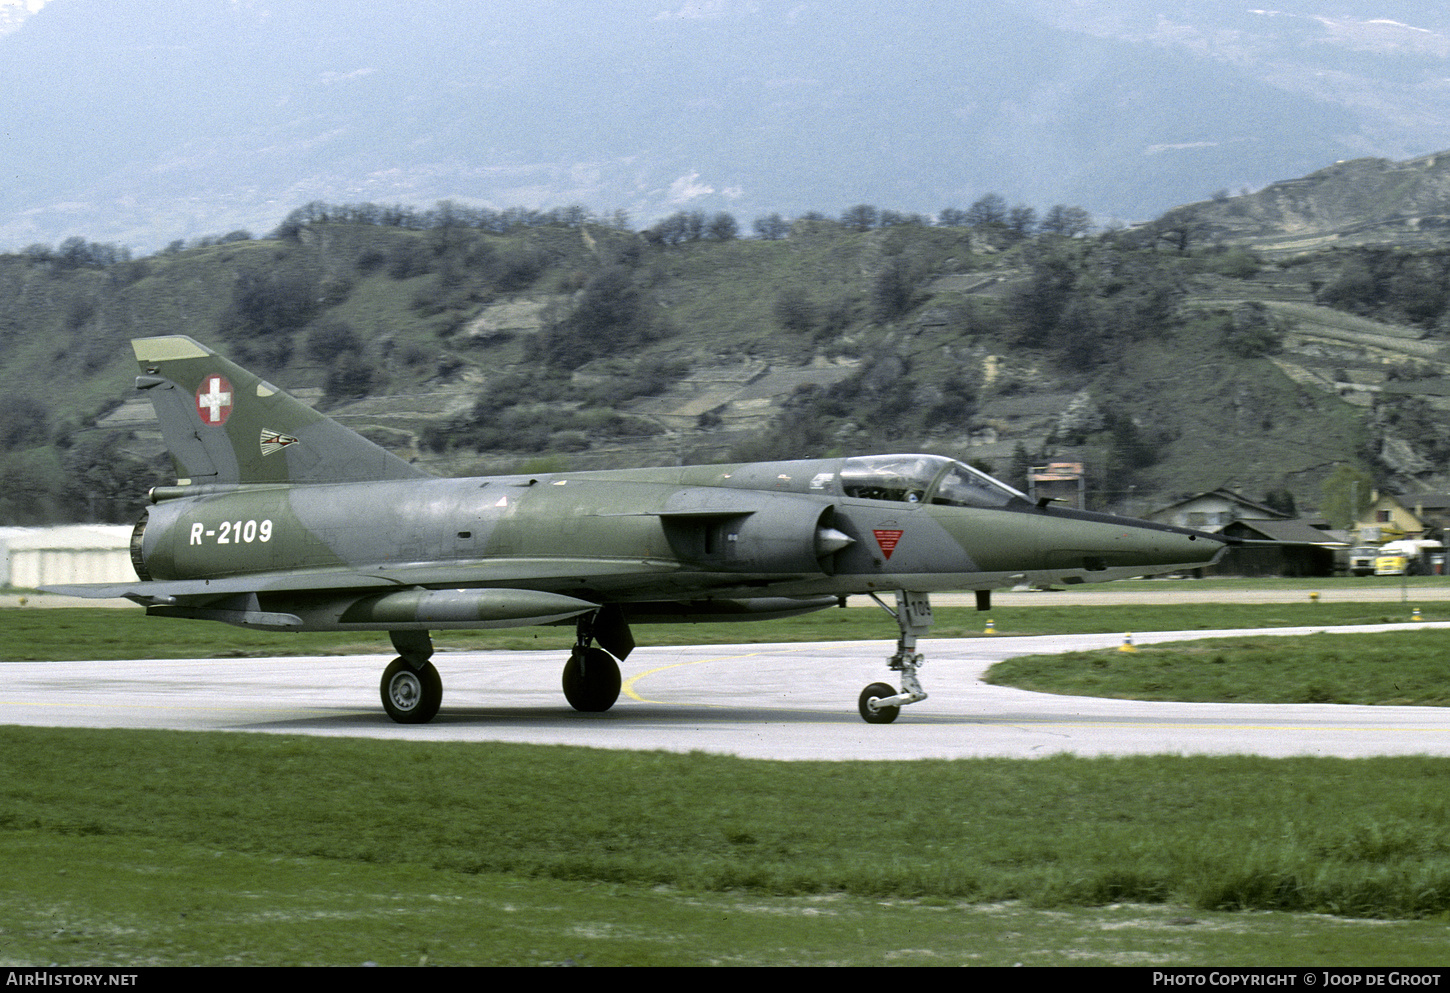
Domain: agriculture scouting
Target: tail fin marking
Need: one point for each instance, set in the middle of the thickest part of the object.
(224, 425)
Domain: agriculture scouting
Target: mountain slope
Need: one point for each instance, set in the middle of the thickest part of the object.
(1165, 366)
(1359, 202)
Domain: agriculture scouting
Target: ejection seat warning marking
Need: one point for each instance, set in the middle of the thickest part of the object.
(214, 400)
(887, 539)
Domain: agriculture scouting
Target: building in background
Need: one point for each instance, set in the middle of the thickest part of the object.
(1391, 517)
(74, 553)
(1214, 511)
(1061, 482)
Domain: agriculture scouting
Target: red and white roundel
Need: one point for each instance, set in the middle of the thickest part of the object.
(214, 400)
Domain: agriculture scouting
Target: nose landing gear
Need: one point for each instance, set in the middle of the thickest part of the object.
(879, 703)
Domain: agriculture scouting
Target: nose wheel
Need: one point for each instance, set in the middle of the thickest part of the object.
(870, 704)
(879, 703)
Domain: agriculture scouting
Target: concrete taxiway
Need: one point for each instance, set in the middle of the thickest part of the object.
(769, 701)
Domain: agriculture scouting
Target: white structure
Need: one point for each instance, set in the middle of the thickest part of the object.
(1214, 511)
(74, 553)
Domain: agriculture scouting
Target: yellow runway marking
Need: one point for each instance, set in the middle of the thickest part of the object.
(627, 688)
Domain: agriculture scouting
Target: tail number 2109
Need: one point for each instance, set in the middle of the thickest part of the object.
(232, 532)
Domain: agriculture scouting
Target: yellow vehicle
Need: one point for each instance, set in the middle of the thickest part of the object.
(1391, 565)
(1414, 558)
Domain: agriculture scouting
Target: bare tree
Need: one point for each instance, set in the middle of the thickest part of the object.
(772, 227)
(895, 219)
(722, 227)
(1180, 229)
(1022, 221)
(861, 217)
(1067, 221)
(989, 209)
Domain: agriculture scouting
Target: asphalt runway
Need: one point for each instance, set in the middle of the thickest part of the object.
(773, 701)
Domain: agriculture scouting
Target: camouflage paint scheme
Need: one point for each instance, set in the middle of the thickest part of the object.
(283, 519)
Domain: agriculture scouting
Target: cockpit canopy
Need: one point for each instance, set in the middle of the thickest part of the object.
(923, 479)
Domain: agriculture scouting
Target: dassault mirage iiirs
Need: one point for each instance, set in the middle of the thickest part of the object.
(282, 519)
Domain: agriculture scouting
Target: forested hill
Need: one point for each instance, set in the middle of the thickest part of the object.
(1168, 359)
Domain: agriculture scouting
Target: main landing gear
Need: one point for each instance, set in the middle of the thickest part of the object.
(591, 676)
(412, 690)
(879, 703)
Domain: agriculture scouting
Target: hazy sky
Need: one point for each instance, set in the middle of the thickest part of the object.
(14, 11)
(144, 122)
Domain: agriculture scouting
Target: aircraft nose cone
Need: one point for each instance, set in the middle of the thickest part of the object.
(1079, 539)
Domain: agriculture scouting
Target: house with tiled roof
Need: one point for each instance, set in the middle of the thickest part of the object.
(1392, 516)
(1214, 511)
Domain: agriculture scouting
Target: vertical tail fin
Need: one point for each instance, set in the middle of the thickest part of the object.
(224, 425)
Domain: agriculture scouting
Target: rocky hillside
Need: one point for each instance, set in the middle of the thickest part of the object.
(1352, 203)
(1169, 360)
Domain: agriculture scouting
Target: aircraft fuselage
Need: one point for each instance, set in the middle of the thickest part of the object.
(281, 518)
(786, 529)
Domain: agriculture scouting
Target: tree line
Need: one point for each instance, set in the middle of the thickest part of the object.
(989, 213)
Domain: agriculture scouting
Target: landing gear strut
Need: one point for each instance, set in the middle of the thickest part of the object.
(591, 676)
(411, 688)
(879, 703)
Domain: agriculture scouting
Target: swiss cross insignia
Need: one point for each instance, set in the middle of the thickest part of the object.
(887, 539)
(214, 400)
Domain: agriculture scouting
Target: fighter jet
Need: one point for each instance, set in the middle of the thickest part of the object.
(282, 519)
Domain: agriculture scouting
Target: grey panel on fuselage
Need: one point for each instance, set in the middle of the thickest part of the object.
(199, 455)
(401, 521)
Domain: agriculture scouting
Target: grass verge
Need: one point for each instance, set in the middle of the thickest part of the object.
(136, 848)
(106, 633)
(128, 902)
(1364, 838)
(1404, 668)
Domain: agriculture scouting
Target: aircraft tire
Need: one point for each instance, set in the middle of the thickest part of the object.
(591, 681)
(884, 715)
(411, 696)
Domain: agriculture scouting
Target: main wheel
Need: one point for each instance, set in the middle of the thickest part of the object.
(879, 715)
(591, 680)
(411, 696)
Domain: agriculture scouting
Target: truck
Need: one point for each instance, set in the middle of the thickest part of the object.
(1410, 557)
(1361, 560)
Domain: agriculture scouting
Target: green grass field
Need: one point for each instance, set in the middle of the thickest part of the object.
(1398, 668)
(129, 848)
(135, 848)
